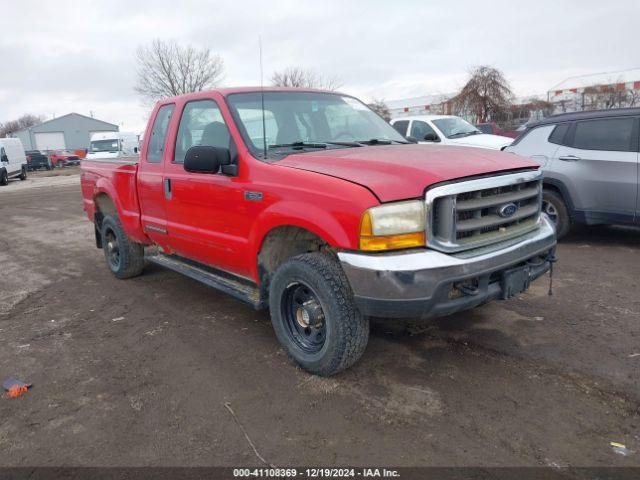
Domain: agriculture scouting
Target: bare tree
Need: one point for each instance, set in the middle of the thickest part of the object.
(166, 69)
(486, 94)
(608, 96)
(25, 121)
(380, 108)
(304, 78)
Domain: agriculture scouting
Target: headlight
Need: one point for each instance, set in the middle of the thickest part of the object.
(393, 226)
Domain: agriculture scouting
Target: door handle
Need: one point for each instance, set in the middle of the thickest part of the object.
(569, 158)
(167, 188)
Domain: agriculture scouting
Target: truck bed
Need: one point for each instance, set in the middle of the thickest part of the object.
(113, 180)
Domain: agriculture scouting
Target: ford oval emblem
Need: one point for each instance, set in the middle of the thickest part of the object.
(507, 210)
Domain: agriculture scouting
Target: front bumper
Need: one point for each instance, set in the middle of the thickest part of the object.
(428, 283)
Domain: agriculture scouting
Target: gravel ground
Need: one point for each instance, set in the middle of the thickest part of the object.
(138, 372)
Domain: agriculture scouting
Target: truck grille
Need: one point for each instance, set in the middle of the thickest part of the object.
(479, 212)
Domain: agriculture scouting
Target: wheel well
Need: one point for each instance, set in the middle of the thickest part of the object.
(560, 191)
(279, 245)
(104, 207)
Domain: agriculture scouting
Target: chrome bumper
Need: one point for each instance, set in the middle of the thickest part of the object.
(421, 283)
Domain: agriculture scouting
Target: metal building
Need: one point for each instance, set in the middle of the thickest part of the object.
(71, 131)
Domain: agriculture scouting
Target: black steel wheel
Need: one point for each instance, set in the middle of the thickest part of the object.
(314, 315)
(124, 257)
(303, 317)
(112, 249)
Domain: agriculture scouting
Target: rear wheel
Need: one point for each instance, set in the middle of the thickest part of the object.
(553, 205)
(23, 174)
(314, 316)
(124, 257)
(4, 178)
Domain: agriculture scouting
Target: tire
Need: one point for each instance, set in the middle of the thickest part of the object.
(4, 178)
(334, 334)
(554, 206)
(124, 258)
(23, 174)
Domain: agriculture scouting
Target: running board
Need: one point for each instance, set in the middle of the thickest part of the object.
(225, 282)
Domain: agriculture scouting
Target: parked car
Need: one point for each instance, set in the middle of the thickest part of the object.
(13, 161)
(590, 164)
(63, 158)
(492, 128)
(309, 204)
(113, 145)
(446, 130)
(37, 160)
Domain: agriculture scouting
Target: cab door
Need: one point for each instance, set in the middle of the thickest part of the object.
(150, 176)
(204, 210)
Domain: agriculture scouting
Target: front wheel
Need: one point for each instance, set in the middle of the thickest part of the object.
(314, 315)
(553, 205)
(4, 178)
(124, 257)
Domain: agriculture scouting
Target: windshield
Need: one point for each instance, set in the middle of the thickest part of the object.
(104, 146)
(454, 127)
(306, 121)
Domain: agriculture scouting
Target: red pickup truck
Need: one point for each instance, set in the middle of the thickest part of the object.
(308, 203)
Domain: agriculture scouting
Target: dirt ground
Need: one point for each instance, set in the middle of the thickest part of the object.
(138, 372)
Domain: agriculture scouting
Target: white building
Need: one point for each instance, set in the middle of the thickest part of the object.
(595, 91)
(427, 104)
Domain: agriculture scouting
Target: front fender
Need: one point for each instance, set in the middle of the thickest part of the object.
(340, 234)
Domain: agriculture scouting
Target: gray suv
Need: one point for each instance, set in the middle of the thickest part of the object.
(590, 163)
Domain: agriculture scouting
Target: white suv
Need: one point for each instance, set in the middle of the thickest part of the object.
(447, 130)
(13, 161)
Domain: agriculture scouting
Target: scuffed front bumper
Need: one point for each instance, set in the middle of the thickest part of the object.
(428, 283)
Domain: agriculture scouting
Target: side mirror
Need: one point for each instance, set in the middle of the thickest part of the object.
(5, 158)
(431, 137)
(206, 159)
(411, 139)
(135, 149)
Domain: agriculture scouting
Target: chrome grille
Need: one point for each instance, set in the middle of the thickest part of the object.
(473, 213)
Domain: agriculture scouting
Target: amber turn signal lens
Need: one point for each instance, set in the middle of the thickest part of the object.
(392, 242)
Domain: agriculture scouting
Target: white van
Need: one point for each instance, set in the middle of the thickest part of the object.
(113, 145)
(13, 161)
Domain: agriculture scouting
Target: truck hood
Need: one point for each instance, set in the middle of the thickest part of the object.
(397, 172)
(483, 140)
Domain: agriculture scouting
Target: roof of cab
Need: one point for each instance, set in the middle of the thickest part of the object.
(231, 90)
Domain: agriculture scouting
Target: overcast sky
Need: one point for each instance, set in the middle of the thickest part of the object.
(64, 56)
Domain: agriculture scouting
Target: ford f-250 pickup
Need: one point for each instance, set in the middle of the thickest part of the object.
(309, 204)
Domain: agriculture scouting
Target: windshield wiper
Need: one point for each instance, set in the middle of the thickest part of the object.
(459, 134)
(378, 141)
(299, 144)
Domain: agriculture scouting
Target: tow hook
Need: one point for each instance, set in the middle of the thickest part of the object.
(467, 288)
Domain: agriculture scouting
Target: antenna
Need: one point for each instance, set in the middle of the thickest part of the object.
(264, 125)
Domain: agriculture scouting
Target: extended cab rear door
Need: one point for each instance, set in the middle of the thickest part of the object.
(150, 176)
